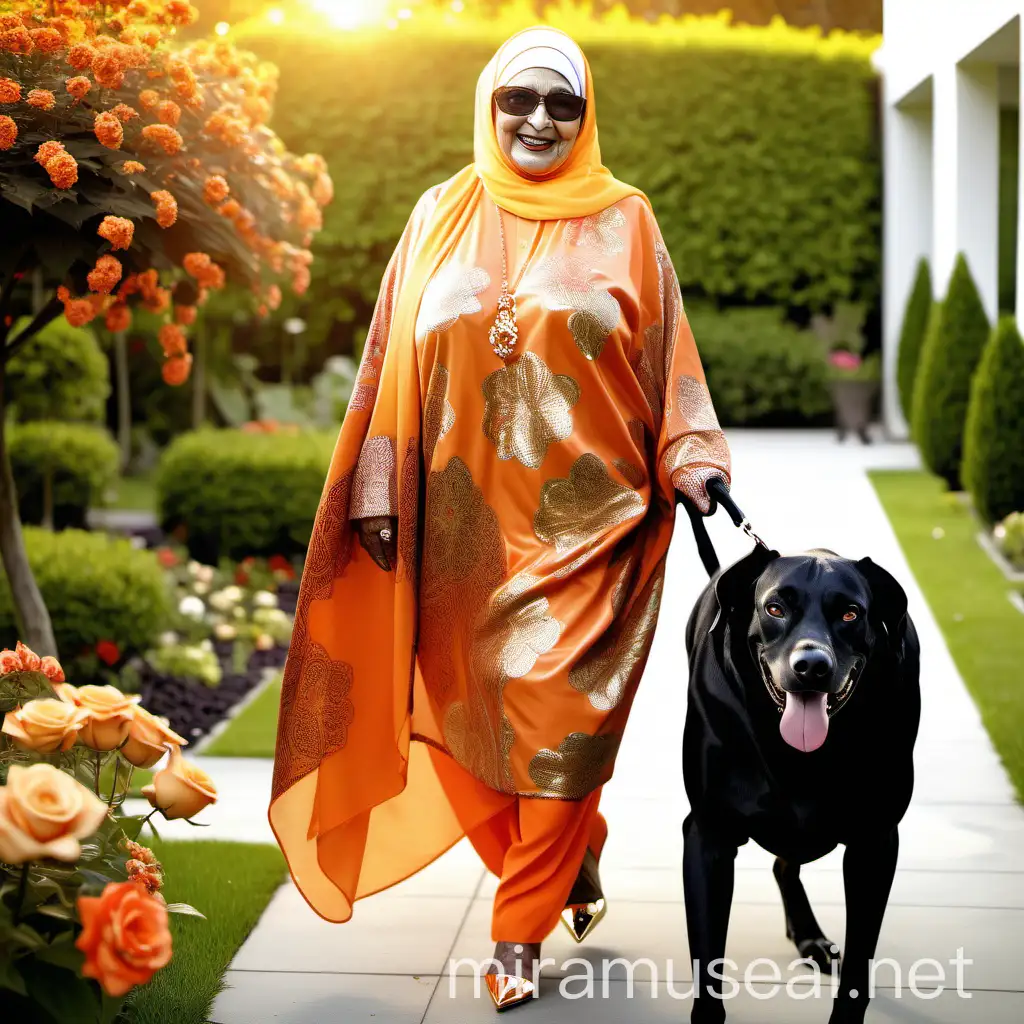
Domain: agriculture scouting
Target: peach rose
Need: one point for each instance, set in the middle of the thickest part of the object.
(110, 716)
(66, 692)
(181, 790)
(148, 739)
(125, 937)
(45, 725)
(44, 813)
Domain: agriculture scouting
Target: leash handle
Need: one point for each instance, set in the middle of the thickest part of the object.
(718, 491)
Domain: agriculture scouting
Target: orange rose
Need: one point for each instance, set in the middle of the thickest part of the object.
(44, 812)
(66, 692)
(110, 716)
(181, 790)
(125, 937)
(148, 739)
(45, 725)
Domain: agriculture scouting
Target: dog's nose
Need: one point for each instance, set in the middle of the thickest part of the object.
(812, 664)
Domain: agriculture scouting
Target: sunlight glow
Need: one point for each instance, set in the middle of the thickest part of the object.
(351, 14)
(222, 28)
(275, 16)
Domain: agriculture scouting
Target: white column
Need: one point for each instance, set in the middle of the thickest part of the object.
(907, 236)
(966, 163)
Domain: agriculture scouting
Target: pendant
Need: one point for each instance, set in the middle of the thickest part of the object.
(504, 332)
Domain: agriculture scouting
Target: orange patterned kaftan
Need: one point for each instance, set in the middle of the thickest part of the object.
(535, 501)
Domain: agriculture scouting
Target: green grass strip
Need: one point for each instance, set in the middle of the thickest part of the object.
(968, 597)
(135, 493)
(253, 732)
(231, 883)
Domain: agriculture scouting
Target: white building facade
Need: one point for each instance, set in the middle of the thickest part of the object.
(949, 68)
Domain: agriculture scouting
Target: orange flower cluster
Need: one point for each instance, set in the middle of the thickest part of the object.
(118, 231)
(104, 276)
(200, 114)
(108, 130)
(143, 867)
(166, 207)
(78, 86)
(24, 659)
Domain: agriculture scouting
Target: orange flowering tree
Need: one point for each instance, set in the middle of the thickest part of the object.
(83, 919)
(135, 172)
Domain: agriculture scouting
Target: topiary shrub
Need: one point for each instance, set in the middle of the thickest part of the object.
(97, 589)
(60, 374)
(232, 493)
(760, 370)
(915, 326)
(942, 387)
(993, 468)
(62, 470)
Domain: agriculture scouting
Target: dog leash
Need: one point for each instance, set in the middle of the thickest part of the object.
(718, 491)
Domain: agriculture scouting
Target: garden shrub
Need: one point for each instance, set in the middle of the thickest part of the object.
(232, 493)
(993, 467)
(915, 327)
(952, 349)
(60, 374)
(757, 147)
(97, 588)
(80, 460)
(760, 370)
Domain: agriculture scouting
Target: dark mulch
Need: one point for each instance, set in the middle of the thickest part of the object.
(194, 708)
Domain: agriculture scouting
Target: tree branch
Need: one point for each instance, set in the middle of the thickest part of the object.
(49, 312)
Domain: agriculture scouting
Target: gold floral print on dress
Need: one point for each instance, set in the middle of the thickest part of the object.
(599, 231)
(576, 509)
(564, 282)
(605, 672)
(451, 293)
(527, 408)
(438, 414)
(375, 488)
(576, 767)
(518, 629)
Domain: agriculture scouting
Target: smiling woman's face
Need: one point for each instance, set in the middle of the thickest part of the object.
(557, 137)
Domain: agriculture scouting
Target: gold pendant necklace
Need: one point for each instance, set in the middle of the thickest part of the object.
(504, 331)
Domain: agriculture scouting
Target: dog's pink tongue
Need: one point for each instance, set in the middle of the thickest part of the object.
(804, 722)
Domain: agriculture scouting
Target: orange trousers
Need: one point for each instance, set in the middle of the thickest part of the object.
(534, 845)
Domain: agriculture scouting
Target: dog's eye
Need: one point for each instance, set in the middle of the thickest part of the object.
(851, 613)
(774, 609)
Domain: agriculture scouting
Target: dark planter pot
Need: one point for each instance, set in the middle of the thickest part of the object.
(854, 404)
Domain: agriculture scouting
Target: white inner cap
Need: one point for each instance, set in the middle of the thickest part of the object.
(543, 48)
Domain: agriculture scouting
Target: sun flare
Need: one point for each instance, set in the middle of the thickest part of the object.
(351, 14)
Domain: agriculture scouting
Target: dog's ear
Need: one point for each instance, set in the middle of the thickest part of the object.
(888, 608)
(735, 585)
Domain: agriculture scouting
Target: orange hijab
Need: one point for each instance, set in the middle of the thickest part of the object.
(578, 187)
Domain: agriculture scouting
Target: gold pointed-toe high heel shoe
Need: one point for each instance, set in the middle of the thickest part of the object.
(509, 990)
(585, 907)
(582, 918)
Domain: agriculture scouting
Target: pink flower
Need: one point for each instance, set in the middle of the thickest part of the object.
(844, 360)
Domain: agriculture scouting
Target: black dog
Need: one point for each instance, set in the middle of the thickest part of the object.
(777, 646)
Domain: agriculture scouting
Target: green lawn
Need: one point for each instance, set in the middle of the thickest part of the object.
(135, 493)
(968, 597)
(252, 733)
(230, 883)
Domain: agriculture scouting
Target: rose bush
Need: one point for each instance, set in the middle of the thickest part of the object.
(82, 916)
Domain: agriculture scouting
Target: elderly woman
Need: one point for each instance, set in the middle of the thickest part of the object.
(486, 567)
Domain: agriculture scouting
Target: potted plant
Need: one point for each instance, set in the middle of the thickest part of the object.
(853, 377)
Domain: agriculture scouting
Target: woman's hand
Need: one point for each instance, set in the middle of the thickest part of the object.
(693, 488)
(379, 538)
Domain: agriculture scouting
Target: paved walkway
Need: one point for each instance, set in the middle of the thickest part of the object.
(960, 882)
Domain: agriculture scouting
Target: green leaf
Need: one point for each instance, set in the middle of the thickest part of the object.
(10, 977)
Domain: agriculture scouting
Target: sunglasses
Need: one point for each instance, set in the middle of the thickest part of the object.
(519, 101)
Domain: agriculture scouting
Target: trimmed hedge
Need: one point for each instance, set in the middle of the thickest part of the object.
(235, 494)
(757, 146)
(96, 588)
(942, 387)
(81, 461)
(761, 371)
(60, 374)
(994, 436)
(915, 327)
